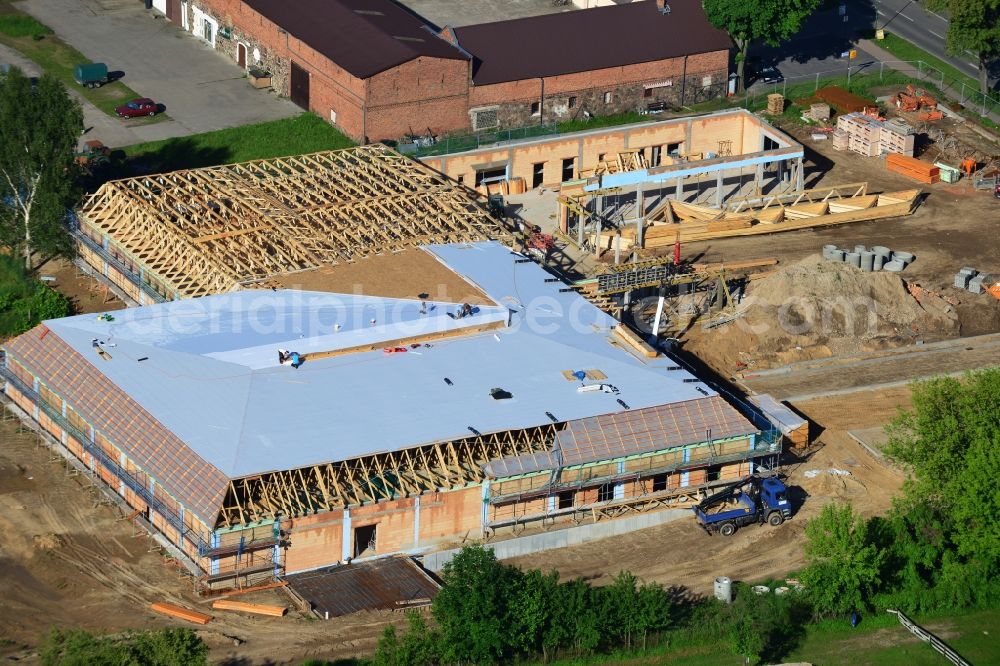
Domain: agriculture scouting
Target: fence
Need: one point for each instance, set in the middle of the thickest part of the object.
(456, 144)
(936, 643)
(862, 76)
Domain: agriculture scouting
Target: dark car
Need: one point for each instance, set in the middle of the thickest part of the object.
(769, 74)
(138, 107)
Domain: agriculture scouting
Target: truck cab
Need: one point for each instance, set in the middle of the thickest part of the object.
(751, 500)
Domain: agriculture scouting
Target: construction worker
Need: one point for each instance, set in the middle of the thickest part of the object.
(296, 359)
(291, 358)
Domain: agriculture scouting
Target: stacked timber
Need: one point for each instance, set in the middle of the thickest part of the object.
(776, 104)
(504, 187)
(181, 613)
(728, 224)
(913, 168)
(244, 607)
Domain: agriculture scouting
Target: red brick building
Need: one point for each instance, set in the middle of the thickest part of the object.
(379, 71)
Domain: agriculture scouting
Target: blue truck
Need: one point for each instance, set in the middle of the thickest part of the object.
(753, 499)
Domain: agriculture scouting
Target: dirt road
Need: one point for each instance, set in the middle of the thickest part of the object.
(70, 560)
(841, 374)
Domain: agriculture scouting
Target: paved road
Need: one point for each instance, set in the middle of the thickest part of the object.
(826, 35)
(201, 89)
(928, 30)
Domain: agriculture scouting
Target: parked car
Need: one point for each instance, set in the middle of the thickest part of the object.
(138, 107)
(769, 74)
(91, 75)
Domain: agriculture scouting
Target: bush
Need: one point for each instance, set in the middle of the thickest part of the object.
(21, 25)
(166, 647)
(488, 612)
(24, 301)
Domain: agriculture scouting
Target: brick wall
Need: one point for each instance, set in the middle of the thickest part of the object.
(606, 91)
(453, 516)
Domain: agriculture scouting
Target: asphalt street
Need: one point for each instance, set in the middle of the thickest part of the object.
(817, 48)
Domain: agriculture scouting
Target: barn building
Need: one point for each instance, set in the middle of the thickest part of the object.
(377, 70)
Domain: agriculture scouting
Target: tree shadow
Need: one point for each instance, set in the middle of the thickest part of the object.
(822, 35)
(174, 154)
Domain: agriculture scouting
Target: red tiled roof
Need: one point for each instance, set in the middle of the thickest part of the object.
(651, 429)
(196, 484)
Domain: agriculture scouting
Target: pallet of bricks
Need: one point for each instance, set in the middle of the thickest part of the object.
(870, 137)
(912, 168)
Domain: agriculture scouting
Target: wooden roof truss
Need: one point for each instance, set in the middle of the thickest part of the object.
(209, 230)
(381, 476)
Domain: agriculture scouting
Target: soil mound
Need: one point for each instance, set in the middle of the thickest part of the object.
(815, 308)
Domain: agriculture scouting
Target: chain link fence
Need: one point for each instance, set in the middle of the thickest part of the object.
(861, 77)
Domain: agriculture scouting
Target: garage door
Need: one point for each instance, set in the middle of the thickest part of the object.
(300, 86)
(174, 11)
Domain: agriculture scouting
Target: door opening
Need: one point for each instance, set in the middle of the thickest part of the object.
(365, 540)
(537, 174)
(241, 55)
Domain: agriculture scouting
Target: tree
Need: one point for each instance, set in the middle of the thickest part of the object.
(772, 21)
(950, 512)
(417, 647)
(39, 127)
(974, 25)
(471, 608)
(844, 565)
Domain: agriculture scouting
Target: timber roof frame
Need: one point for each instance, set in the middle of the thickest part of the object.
(212, 230)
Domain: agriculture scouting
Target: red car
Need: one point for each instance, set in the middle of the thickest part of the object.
(138, 107)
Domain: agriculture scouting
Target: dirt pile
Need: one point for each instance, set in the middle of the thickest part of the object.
(814, 309)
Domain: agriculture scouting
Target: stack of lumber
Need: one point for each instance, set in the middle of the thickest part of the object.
(181, 613)
(504, 187)
(775, 104)
(819, 111)
(913, 168)
(244, 607)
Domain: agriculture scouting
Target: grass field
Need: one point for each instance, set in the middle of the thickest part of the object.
(878, 641)
(953, 77)
(305, 133)
(57, 58)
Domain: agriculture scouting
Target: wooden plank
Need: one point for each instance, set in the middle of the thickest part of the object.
(181, 612)
(244, 607)
(403, 342)
(626, 334)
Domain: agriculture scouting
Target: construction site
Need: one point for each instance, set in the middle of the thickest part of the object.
(335, 369)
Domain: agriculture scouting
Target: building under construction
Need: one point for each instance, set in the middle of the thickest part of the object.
(444, 386)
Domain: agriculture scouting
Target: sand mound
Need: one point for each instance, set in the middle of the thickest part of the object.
(815, 309)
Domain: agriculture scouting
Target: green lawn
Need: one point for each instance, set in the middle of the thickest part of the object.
(878, 641)
(36, 41)
(905, 50)
(305, 133)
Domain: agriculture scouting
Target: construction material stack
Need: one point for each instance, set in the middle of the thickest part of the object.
(913, 168)
(870, 137)
(776, 104)
(897, 137)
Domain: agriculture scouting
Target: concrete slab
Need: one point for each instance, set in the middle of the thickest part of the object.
(202, 90)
